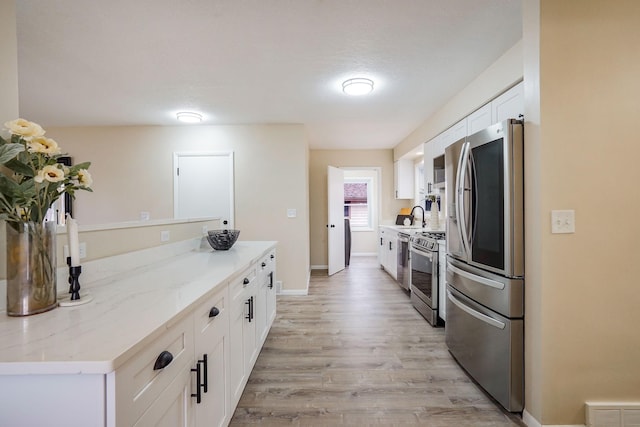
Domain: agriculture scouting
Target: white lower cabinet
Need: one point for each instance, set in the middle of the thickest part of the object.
(388, 251)
(212, 353)
(195, 372)
(189, 372)
(145, 376)
(242, 329)
(173, 408)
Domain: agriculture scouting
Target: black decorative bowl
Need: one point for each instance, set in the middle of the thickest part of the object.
(222, 240)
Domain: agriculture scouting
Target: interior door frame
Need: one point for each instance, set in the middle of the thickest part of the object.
(229, 155)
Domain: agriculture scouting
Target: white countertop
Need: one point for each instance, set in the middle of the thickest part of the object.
(413, 229)
(128, 311)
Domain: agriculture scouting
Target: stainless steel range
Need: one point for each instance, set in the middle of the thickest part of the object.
(424, 275)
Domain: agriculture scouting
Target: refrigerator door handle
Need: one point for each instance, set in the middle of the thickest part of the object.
(478, 279)
(460, 205)
(482, 317)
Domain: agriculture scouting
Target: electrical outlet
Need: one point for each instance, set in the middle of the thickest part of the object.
(165, 236)
(82, 249)
(144, 216)
(291, 213)
(563, 221)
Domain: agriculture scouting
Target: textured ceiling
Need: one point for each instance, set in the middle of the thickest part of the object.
(138, 62)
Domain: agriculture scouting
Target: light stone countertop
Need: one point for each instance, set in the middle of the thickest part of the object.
(128, 311)
(414, 229)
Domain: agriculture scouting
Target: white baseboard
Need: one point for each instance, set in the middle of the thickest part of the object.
(528, 419)
(319, 267)
(364, 254)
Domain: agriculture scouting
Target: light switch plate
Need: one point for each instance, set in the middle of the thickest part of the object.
(291, 213)
(563, 221)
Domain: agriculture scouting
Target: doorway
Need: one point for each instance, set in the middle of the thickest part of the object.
(353, 193)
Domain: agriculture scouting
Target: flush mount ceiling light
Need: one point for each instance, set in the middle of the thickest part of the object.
(189, 117)
(357, 86)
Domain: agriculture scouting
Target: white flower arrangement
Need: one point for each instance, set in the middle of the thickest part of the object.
(31, 178)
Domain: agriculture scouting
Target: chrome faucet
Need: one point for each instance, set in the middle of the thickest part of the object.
(424, 222)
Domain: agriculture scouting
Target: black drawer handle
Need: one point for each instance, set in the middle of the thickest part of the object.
(264, 264)
(271, 280)
(214, 312)
(163, 360)
(272, 256)
(245, 281)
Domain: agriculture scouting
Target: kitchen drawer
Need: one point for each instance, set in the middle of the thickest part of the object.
(138, 384)
(213, 313)
(241, 282)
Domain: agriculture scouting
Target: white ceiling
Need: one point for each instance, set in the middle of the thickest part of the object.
(138, 62)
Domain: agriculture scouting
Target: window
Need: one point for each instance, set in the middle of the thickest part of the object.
(357, 202)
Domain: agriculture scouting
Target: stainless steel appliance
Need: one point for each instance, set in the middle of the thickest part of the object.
(485, 259)
(404, 272)
(424, 275)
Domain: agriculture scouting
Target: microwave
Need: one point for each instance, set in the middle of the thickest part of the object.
(438, 172)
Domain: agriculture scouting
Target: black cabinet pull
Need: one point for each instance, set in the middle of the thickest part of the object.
(204, 373)
(214, 312)
(272, 256)
(271, 280)
(333, 226)
(163, 360)
(245, 281)
(381, 241)
(248, 316)
(389, 245)
(264, 264)
(198, 394)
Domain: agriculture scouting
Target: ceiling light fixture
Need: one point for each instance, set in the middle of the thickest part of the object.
(189, 117)
(357, 86)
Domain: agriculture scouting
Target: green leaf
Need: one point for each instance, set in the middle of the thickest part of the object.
(9, 152)
(75, 168)
(20, 168)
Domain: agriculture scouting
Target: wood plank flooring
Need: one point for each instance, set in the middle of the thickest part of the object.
(354, 352)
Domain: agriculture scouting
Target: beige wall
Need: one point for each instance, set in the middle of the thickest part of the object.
(500, 76)
(8, 88)
(319, 160)
(132, 171)
(9, 62)
(582, 341)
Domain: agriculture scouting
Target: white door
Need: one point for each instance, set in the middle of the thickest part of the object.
(336, 238)
(203, 185)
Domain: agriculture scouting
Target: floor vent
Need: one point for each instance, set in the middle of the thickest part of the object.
(606, 414)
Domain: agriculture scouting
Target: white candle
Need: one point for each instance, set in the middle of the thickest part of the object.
(74, 243)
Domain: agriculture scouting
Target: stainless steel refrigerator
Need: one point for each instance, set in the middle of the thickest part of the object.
(485, 259)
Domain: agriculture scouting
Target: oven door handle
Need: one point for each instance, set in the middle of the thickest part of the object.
(478, 279)
(482, 317)
(426, 254)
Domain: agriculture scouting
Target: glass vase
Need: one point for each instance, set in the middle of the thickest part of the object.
(31, 268)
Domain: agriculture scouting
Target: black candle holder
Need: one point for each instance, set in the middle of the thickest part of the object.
(74, 283)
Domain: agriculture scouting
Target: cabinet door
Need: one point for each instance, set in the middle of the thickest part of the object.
(403, 174)
(429, 150)
(454, 133)
(174, 407)
(392, 255)
(271, 290)
(479, 119)
(261, 300)
(381, 252)
(212, 344)
(143, 377)
(242, 341)
(509, 105)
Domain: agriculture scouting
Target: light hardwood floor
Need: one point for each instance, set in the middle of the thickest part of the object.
(355, 352)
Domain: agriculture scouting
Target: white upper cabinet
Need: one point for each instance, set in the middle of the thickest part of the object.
(479, 119)
(403, 178)
(509, 105)
(451, 135)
